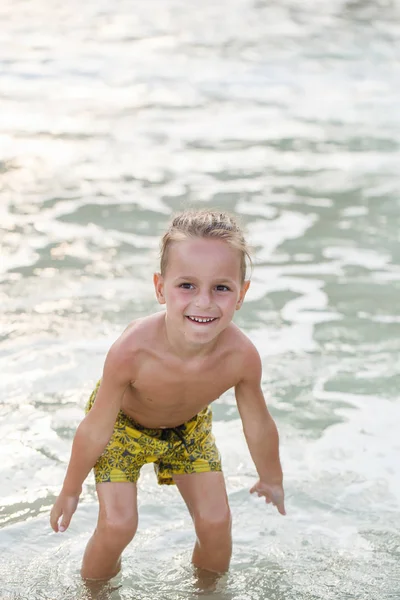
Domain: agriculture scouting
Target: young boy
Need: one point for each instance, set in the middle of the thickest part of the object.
(152, 403)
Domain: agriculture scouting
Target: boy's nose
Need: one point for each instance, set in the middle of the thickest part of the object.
(203, 300)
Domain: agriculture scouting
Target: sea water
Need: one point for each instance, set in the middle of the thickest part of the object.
(112, 117)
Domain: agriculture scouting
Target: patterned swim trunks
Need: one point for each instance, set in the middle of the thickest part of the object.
(189, 448)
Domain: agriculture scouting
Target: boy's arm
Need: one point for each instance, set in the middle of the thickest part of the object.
(260, 432)
(92, 436)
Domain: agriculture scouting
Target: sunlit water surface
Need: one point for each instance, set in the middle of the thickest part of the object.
(113, 115)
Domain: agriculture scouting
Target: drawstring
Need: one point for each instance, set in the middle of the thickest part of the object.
(178, 433)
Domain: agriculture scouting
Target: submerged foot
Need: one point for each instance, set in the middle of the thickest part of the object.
(207, 581)
(97, 589)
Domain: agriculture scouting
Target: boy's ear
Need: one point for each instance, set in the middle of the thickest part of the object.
(158, 281)
(243, 292)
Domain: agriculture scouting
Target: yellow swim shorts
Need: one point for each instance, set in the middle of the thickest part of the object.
(189, 448)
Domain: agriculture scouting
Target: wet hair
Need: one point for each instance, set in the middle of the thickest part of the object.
(206, 224)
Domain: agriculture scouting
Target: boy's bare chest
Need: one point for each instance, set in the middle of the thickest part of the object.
(164, 395)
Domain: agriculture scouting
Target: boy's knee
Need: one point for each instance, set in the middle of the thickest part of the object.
(118, 529)
(215, 525)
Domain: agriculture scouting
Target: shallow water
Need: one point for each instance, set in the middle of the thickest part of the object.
(113, 116)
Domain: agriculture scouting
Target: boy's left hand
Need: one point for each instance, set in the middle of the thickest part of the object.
(273, 493)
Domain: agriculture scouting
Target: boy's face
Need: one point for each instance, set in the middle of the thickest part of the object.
(201, 287)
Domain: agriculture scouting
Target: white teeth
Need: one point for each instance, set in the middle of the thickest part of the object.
(199, 320)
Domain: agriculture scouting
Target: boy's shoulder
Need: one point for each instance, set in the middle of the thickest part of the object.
(244, 357)
(140, 334)
(240, 343)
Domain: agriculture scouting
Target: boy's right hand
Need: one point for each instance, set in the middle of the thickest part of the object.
(64, 507)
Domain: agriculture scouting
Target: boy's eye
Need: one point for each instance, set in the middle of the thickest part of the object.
(222, 288)
(186, 286)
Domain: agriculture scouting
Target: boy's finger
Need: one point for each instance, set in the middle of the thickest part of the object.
(64, 522)
(253, 489)
(54, 517)
(281, 507)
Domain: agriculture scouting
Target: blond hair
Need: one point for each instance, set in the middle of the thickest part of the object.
(208, 224)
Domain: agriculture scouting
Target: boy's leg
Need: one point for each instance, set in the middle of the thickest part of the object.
(116, 527)
(207, 501)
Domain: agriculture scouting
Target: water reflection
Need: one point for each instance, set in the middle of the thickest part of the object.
(288, 115)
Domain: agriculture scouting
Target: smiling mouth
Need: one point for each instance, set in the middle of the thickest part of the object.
(201, 319)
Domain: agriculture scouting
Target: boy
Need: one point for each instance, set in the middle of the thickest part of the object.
(152, 403)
